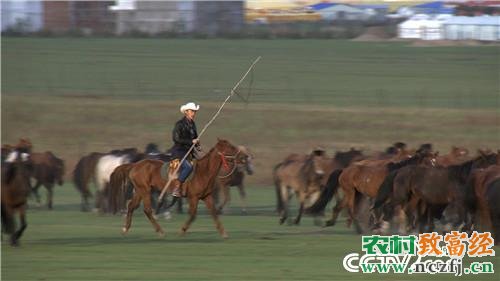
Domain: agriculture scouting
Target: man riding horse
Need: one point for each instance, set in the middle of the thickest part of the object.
(184, 136)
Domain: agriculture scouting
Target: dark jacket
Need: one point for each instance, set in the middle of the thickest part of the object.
(183, 135)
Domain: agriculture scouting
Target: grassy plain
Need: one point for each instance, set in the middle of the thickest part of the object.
(77, 95)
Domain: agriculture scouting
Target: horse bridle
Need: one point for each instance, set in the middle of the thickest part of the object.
(224, 162)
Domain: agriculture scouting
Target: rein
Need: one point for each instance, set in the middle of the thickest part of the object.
(226, 165)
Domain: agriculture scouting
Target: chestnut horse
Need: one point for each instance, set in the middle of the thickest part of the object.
(145, 176)
(363, 177)
(16, 171)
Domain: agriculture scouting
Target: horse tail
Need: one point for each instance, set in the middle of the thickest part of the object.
(327, 193)
(277, 184)
(79, 177)
(385, 190)
(117, 185)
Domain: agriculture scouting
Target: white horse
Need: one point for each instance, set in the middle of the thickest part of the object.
(105, 166)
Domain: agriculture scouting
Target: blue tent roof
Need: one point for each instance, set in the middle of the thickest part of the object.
(430, 5)
(436, 7)
(321, 6)
(375, 7)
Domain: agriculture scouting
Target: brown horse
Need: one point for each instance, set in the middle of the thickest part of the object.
(392, 197)
(145, 176)
(302, 177)
(363, 177)
(47, 171)
(234, 178)
(475, 193)
(15, 190)
(90, 168)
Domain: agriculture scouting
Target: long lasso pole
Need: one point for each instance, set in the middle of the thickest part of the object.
(233, 91)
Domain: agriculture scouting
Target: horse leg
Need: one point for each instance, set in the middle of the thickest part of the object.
(299, 216)
(285, 197)
(148, 211)
(402, 221)
(179, 206)
(132, 205)
(50, 195)
(243, 197)
(193, 207)
(34, 191)
(209, 202)
(339, 206)
(15, 237)
(227, 198)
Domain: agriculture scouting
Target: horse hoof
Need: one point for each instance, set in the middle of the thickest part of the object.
(225, 235)
(167, 215)
(161, 234)
(329, 223)
(124, 231)
(282, 220)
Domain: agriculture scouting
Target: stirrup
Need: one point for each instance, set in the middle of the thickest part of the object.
(177, 192)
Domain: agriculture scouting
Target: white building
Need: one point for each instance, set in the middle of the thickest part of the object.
(26, 16)
(485, 28)
(423, 27)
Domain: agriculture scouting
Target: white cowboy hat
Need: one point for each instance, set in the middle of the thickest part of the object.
(189, 105)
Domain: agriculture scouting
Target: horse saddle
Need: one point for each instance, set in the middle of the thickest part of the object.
(168, 167)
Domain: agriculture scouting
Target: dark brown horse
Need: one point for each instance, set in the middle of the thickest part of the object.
(47, 171)
(475, 194)
(492, 196)
(82, 175)
(15, 189)
(430, 190)
(145, 176)
(234, 178)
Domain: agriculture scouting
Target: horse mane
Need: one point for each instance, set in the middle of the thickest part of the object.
(345, 158)
(307, 168)
(151, 148)
(460, 171)
(8, 172)
(391, 166)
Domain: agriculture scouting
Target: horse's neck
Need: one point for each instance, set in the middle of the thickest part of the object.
(208, 165)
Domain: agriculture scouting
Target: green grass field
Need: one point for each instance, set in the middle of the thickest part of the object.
(66, 244)
(76, 95)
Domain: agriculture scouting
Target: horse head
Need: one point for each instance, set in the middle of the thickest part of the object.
(245, 158)
(17, 164)
(228, 151)
(429, 158)
(24, 145)
(459, 151)
(485, 158)
(345, 158)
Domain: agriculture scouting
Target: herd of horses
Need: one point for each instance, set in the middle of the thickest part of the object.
(400, 189)
(119, 176)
